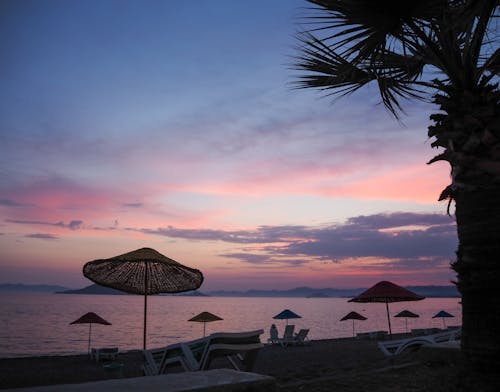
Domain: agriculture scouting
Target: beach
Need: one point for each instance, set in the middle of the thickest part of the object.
(324, 365)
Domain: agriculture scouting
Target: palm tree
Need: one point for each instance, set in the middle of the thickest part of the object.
(445, 51)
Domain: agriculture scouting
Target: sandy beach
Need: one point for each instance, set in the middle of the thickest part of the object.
(324, 365)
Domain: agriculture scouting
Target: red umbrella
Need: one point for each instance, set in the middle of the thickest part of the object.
(90, 318)
(387, 292)
(353, 316)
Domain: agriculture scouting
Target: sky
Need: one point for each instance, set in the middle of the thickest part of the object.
(175, 125)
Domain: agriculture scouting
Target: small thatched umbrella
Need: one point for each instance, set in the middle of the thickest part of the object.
(353, 316)
(143, 271)
(406, 314)
(205, 317)
(443, 314)
(90, 318)
(387, 292)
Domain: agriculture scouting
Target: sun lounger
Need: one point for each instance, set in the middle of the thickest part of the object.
(288, 337)
(108, 353)
(373, 335)
(156, 361)
(300, 339)
(395, 347)
(239, 349)
(424, 331)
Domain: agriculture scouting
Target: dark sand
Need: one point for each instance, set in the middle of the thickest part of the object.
(325, 365)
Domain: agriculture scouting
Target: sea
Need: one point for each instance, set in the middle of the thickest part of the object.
(37, 324)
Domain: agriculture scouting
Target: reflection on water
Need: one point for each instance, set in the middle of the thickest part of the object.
(38, 324)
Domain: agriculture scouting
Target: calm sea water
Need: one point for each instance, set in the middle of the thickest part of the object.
(38, 324)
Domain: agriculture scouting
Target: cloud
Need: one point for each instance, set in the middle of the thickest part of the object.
(42, 236)
(399, 219)
(72, 225)
(403, 237)
(13, 203)
(132, 205)
(266, 259)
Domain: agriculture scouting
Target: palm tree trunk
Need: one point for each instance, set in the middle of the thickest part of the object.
(478, 269)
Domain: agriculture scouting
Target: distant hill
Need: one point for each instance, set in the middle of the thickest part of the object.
(298, 292)
(98, 289)
(93, 289)
(308, 292)
(38, 288)
(435, 291)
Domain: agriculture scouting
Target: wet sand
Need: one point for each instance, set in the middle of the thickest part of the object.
(324, 365)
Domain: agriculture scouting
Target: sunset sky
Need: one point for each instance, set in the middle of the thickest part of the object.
(174, 125)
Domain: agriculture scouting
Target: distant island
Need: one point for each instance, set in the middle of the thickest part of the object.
(298, 292)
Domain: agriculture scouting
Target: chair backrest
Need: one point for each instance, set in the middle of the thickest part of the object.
(288, 334)
(274, 333)
(300, 337)
(197, 352)
(152, 360)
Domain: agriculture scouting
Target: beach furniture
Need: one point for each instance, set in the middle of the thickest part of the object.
(238, 348)
(157, 360)
(395, 347)
(105, 353)
(424, 331)
(373, 335)
(300, 339)
(288, 337)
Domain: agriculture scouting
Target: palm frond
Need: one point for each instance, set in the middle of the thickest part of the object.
(327, 70)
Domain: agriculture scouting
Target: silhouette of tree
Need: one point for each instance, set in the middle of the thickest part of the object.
(445, 51)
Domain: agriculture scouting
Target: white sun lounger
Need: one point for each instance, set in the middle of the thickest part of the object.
(395, 347)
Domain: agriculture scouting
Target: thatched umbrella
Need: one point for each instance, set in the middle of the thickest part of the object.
(353, 316)
(90, 318)
(387, 292)
(407, 314)
(205, 317)
(143, 271)
(443, 314)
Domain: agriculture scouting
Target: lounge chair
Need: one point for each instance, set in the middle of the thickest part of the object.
(300, 339)
(157, 360)
(373, 335)
(288, 337)
(395, 347)
(108, 353)
(239, 349)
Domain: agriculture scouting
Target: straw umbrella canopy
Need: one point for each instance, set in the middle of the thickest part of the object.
(443, 314)
(353, 316)
(386, 292)
(286, 315)
(143, 271)
(407, 314)
(90, 318)
(205, 317)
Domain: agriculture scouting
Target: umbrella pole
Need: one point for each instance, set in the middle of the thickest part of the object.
(204, 325)
(388, 317)
(406, 324)
(145, 303)
(90, 330)
(353, 328)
